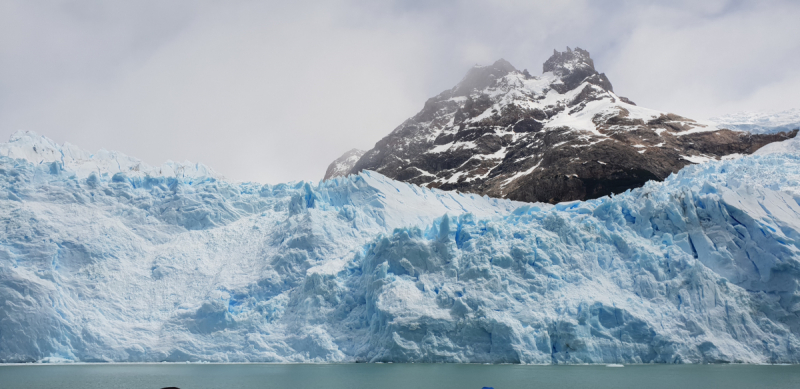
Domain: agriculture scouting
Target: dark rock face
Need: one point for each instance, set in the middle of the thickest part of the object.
(574, 68)
(558, 137)
(616, 166)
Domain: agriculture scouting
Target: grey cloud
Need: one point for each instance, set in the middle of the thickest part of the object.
(273, 91)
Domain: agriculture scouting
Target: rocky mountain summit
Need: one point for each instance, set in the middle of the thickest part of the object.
(564, 135)
(342, 165)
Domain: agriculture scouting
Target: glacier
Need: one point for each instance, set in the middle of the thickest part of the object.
(767, 122)
(103, 261)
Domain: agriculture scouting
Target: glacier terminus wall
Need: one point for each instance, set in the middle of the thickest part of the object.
(103, 261)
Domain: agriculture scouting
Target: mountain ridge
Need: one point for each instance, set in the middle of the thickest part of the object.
(562, 136)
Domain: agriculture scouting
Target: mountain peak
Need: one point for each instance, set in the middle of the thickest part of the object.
(560, 137)
(502, 64)
(480, 77)
(342, 165)
(568, 61)
(575, 67)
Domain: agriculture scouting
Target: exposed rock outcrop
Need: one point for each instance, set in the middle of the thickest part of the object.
(562, 136)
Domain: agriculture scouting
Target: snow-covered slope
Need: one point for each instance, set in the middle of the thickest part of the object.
(560, 136)
(760, 122)
(702, 267)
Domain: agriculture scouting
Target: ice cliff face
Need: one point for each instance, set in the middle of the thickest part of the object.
(702, 267)
(563, 135)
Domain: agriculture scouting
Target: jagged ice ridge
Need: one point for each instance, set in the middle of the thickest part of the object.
(121, 266)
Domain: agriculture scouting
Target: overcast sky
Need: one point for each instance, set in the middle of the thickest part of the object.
(273, 91)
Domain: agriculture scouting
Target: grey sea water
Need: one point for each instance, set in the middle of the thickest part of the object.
(390, 376)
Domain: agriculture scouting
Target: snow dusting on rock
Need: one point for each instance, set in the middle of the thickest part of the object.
(505, 133)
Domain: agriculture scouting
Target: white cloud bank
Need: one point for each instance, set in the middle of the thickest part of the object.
(274, 91)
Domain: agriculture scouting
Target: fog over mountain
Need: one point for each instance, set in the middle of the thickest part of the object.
(560, 136)
(274, 91)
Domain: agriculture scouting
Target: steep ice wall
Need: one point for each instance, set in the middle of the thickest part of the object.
(700, 268)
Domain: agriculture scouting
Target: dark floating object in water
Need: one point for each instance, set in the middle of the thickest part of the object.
(171, 387)
(485, 387)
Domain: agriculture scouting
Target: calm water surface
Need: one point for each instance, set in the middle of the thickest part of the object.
(390, 376)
